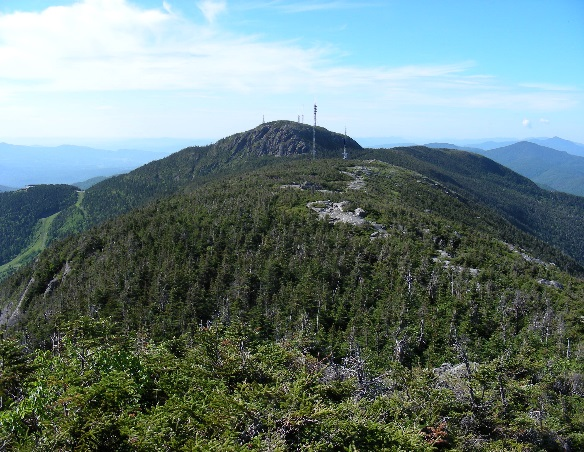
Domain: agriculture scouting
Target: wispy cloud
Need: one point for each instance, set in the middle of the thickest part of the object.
(167, 7)
(116, 46)
(98, 45)
(212, 8)
(548, 87)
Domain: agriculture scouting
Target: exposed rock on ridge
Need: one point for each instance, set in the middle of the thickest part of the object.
(285, 138)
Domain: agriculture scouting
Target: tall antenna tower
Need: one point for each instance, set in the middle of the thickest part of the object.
(345, 155)
(314, 135)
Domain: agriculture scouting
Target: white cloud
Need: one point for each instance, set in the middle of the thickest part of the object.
(526, 123)
(212, 8)
(167, 7)
(112, 45)
(544, 121)
(105, 46)
(95, 43)
(548, 87)
(108, 45)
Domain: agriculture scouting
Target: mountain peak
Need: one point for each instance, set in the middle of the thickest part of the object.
(285, 138)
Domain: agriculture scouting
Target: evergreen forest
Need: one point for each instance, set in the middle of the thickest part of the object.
(246, 296)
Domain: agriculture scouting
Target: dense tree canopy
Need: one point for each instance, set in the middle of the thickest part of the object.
(304, 304)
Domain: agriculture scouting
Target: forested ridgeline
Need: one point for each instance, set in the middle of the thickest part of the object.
(191, 167)
(554, 217)
(364, 321)
(195, 166)
(249, 245)
(20, 211)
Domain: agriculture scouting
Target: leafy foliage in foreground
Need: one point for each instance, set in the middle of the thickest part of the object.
(225, 388)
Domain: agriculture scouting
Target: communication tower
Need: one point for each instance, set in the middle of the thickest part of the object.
(314, 135)
(345, 155)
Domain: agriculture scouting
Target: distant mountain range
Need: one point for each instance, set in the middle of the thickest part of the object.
(559, 144)
(549, 167)
(478, 150)
(545, 166)
(29, 165)
(69, 164)
(556, 143)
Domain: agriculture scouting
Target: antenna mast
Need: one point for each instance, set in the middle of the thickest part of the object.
(345, 155)
(314, 135)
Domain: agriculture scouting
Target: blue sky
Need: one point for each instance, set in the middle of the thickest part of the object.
(415, 69)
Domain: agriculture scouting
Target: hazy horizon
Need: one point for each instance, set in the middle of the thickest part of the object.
(167, 144)
(163, 144)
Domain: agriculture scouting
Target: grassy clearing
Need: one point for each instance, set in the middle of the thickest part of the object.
(80, 196)
(38, 244)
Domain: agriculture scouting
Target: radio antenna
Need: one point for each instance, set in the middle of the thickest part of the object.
(345, 155)
(314, 135)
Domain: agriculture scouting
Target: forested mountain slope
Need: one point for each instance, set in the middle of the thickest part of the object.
(554, 217)
(549, 216)
(312, 303)
(549, 167)
(197, 165)
(190, 167)
(245, 296)
(21, 210)
(238, 212)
